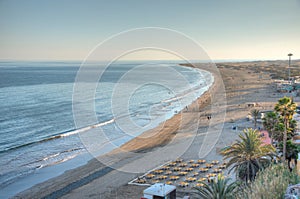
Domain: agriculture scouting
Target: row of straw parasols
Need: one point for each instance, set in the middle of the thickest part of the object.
(175, 178)
(183, 168)
(199, 182)
(184, 171)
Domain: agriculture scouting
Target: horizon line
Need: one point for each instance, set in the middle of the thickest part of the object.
(140, 60)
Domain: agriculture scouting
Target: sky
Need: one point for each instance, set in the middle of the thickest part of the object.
(225, 29)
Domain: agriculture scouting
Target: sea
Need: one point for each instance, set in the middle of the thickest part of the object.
(37, 127)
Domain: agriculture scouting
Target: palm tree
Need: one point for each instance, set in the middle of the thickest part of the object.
(217, 189)
(248, 155)
(255, 114)
(292, 151)
(292, 126)
(279, 128)
(270, 121)
(286, 108)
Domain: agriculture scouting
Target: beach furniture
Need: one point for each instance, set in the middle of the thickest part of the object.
(162, 177)
(212, 175)
(188, 169)
(209, 165)
(165, 168)
(190, 179)
(203, 170)
(182, 173)
(168, 172)
(215, 162)
(174, 178)
(201, 179)
(150, 176)
(222, 166)
(140, 181)
(217, 170)
(201, 161)
(195, 165)
(159, 171)
(183, 184)
(183, 164)
(172, 164)
(199, 185)
(195, 173)
(176, 169)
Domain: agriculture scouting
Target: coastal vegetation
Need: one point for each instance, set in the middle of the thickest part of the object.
(255, 114)
(260, 173)
(270, 183)
(218, 188)
(269, 122)
(248, 155)
(286, 108)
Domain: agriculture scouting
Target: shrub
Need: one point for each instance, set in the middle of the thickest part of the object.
(270, 183)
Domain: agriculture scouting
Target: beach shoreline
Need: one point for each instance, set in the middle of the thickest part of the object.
(166, 131)
(97, 180)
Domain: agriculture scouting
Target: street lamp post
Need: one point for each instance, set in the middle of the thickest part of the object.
(290, 55)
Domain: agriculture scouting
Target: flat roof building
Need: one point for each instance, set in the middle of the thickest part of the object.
(160, 191)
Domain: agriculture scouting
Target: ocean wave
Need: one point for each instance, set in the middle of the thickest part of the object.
(52, 158)
(12, 177)
(60, 135)
(31, 167)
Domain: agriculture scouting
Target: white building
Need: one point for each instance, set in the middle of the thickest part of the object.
(160, 191)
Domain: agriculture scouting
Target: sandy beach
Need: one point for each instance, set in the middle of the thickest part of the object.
(189, 134)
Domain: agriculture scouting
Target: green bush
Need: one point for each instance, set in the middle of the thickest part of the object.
(270, 183)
